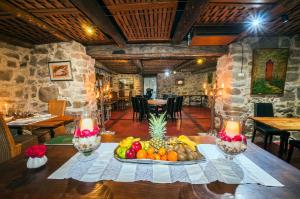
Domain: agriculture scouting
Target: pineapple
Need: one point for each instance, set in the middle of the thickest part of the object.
(157, 129)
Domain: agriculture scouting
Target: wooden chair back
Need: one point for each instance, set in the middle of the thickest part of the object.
(8, 147)
(57, 107)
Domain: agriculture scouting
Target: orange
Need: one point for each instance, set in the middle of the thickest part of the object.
(172, 156)
(150, 150)
(150, 156)
(156, 156)
(163, 157)
(141, 154)
(162, 151)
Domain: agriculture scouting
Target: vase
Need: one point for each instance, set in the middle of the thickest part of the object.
(33, 163)
(230, 139)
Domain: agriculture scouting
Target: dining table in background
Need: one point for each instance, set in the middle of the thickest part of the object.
(283, 124)
(50, 123)
(19, 182)
(157, 103)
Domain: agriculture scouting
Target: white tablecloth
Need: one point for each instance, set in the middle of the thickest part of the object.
(106, 167)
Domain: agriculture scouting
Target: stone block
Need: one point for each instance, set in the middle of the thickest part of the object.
(20, 79)
(11, 64)
(19, 93)
(48, 93)
(40, 50)
(12, 55)
(291, 77)
(6, 75)
(43, 61)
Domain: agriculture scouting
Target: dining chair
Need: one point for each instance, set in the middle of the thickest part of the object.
(169, 108)
(57, 107)
(293, 144)
(8, 147)
(11, 146)
(134, 107)
(143, 108)
(264, 110)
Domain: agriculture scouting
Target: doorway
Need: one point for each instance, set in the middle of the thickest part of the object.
(150, 82)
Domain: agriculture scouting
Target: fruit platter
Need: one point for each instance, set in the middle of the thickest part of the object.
(159, 149)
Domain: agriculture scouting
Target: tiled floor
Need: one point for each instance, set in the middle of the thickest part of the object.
(194, 120)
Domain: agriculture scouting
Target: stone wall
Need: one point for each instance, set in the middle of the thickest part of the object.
(237, 89)
(193, 84)
(137, 82)
(25, 79)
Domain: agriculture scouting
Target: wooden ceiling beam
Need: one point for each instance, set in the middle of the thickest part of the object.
(96, 14)
(29, 18)
(100, 65)
(274, 13)
(15, 41)
(154, 51)
(188, 18)
(183, 64)
(205, 70)
(51, 11)
(139, 65)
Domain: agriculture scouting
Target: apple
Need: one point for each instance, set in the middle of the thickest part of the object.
(136, 146)
(130, 153)
(121, 151)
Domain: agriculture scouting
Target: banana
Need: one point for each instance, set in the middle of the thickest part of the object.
(184, 139)
(127, 142)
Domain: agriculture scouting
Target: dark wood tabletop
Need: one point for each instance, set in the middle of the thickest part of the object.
(18, 182)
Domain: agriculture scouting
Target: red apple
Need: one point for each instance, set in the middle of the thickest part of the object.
(237, 138)
(136, 146)
(130, 153)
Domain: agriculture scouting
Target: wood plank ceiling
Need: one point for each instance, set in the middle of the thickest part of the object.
(121, 22)
(144, 20)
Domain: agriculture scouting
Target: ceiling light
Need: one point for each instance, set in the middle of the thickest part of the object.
(256, 23)
(88, 29)
(174, 72)
(167, 73)
(200, 61)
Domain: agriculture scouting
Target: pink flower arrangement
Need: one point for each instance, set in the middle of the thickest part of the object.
(36, 151)
(86, 133)
(238, 138)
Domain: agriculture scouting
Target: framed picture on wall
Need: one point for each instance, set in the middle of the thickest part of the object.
(269, 71)
(179, 82)
(60, 71)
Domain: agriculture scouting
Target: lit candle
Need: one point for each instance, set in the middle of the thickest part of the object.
(220, 93)
(205, 92)
(222, 86)
(87, 124)
(204, 85)
(232, 128)
(214, 86)
(211, 93)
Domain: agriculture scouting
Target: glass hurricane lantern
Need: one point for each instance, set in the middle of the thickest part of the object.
(87, 136)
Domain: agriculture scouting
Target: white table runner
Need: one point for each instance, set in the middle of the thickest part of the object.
(106, 167)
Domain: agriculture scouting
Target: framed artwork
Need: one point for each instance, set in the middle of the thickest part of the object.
(60, 71)
(126, 84)
(269, 71)
(179, 82)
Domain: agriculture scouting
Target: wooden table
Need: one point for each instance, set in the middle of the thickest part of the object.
(283, 125)
(18, 182)
(157, 103)
(50, 124)
(202, 98)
